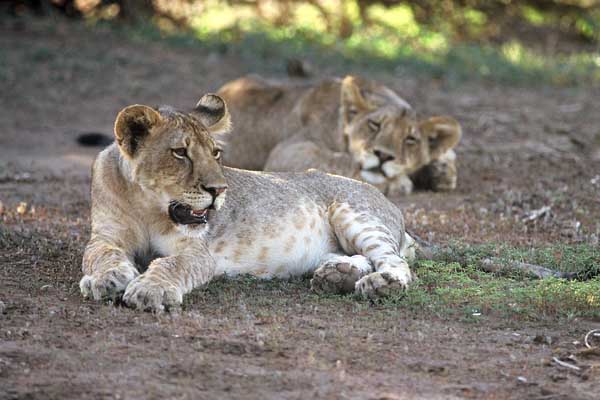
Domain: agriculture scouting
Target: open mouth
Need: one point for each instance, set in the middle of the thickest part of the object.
(376, 170)
(184, 214)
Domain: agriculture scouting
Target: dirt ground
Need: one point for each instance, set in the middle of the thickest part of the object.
(523, 149)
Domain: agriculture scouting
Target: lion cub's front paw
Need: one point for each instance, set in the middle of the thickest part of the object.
(339, 275)
(109, 284)
(150, 294)
(383, 283)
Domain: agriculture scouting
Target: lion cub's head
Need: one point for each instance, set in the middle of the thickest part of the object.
(175, 157)
(383, 133)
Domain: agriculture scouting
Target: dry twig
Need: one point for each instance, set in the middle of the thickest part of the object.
(566, 364)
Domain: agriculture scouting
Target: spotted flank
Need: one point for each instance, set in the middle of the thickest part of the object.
(292, 246)
(347, 251)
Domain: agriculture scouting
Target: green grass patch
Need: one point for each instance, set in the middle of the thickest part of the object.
(452, 290)
(458, 287)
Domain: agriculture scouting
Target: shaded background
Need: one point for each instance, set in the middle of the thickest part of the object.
(506, 40)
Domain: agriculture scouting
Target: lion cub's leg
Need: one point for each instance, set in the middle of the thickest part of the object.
(364, 234)
(168, 279)
(339, 273)
(107, 271)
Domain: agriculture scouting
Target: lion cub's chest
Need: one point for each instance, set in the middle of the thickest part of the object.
(289, 243)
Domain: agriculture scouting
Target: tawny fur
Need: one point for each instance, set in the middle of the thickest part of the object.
(351, 127)
(265, 224)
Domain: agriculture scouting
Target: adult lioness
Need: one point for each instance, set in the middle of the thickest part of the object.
(351, 127)
(161, 189)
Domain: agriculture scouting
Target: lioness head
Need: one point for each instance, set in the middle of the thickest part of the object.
(175, 157)
(383, 134)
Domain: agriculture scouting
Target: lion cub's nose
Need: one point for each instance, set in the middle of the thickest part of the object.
(383, 156)
(215, 190)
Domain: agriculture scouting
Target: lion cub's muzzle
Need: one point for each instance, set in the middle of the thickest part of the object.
(191, 212)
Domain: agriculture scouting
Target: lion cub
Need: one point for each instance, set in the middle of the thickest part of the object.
(161, 189)
(351, 127)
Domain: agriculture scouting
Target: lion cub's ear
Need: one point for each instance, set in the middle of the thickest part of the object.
(213, 113)
(133, 125)
(352, 99)
(443, 134)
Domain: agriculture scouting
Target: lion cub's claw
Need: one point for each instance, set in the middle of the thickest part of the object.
(109, 285)
(144, 293)
(335, 278)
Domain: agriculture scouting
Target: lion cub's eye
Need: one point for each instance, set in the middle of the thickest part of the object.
(374, 126)
(180, 153)
(217, 153)
(411, 140)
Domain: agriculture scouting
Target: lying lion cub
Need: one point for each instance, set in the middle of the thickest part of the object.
(161, 189)
(350, 127)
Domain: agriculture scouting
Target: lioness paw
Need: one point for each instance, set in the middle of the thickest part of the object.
(339, 275)
(150, 294)
(109, 284)
(383, 283)
(443, 176)
(400, 186)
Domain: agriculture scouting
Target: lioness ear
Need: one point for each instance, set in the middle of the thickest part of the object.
(352, 99)
(133, 125)
(213, 113)
(443, 134)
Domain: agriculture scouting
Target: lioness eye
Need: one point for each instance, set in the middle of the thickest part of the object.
(217, 153)
(180, 153)
(374, 126)
(411, 140)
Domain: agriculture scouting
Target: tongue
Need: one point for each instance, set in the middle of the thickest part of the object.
(199, 213)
